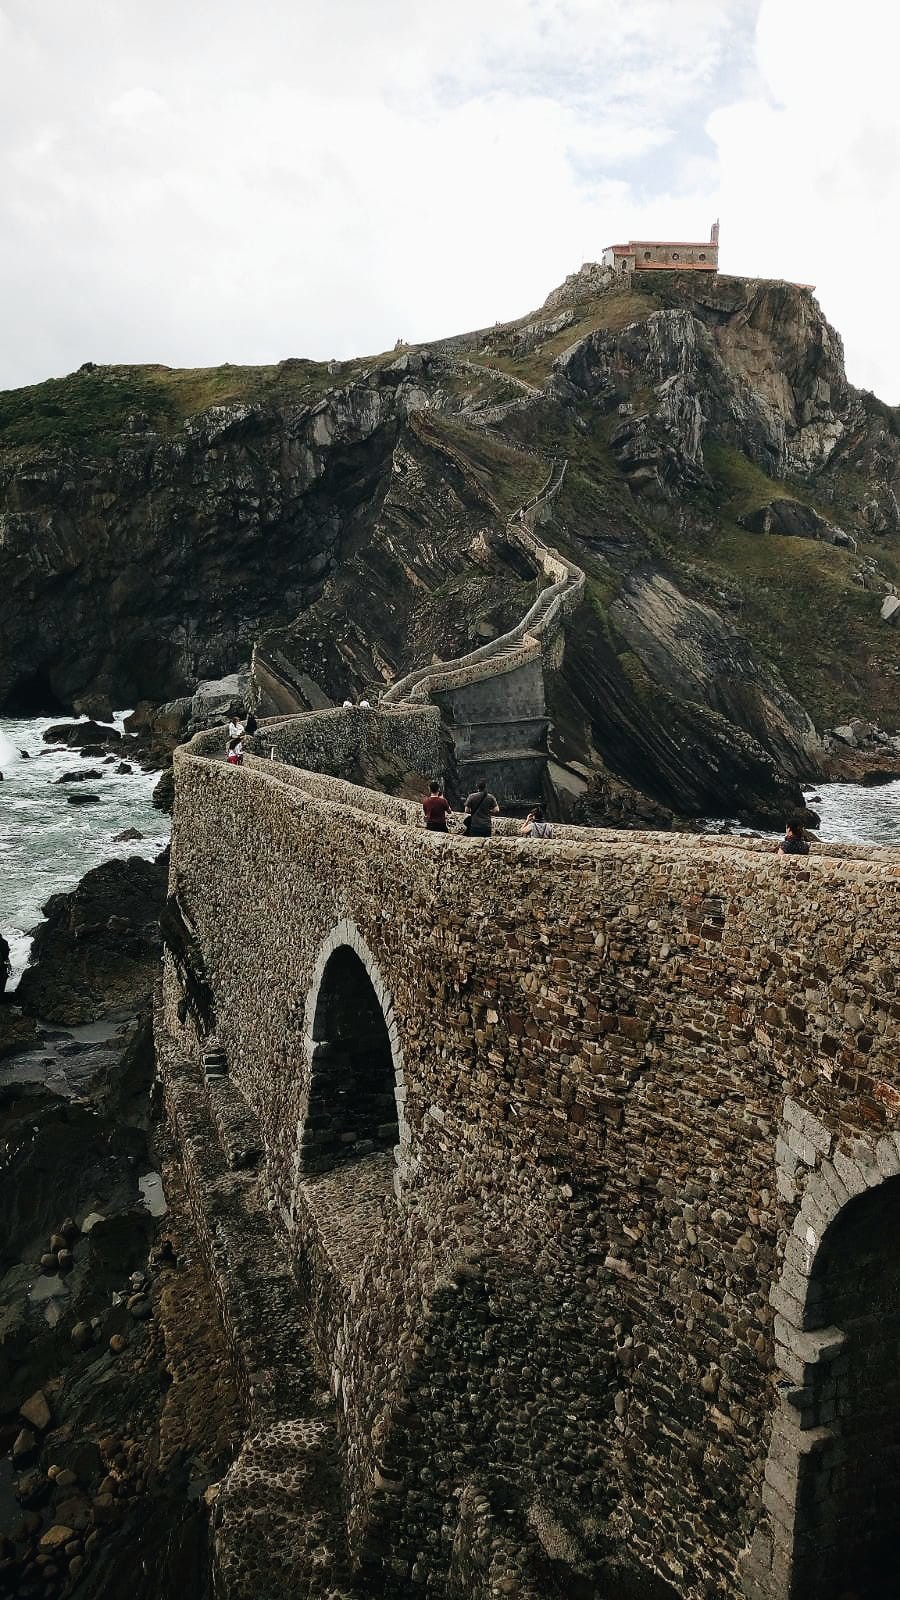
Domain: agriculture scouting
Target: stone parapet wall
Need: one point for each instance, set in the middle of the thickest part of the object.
(566, 1287)
(350, 743)
(394, 808)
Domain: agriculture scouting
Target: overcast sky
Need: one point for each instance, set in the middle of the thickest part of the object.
(197, 181)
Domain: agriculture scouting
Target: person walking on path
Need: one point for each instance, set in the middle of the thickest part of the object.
(235, 756)
(480, 807)
(535, 827)
(235, 726)
(436, 808)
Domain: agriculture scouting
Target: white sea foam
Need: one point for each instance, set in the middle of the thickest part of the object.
(46, 845)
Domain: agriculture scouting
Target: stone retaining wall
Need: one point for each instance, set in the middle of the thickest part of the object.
(546, 1319)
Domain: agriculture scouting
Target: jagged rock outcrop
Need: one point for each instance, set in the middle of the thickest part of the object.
(757, 364)
(132, 568)
(329, 531)
(796, 521)
(702, 658)
(97, 953)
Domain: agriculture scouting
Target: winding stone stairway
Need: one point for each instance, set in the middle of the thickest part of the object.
(492, 699)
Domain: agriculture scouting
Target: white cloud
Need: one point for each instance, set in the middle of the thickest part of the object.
(137, 104)
(809, 174)
(194, 184)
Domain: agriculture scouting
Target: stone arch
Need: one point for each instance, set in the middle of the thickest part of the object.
(834, 1453)
(354, 1103)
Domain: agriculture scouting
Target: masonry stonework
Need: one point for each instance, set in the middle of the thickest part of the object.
(568, 1326)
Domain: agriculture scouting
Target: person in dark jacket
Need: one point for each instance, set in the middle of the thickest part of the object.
(480, 807)
(795, 842)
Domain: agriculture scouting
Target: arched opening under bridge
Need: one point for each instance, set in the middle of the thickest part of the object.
(352, 1105)
(847, 1519)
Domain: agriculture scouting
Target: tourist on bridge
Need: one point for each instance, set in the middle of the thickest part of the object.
(795, 842)
(437, 808)
(480, 807)
(535, 826)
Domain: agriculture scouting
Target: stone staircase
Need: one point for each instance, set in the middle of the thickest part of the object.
(486, 413)
(492, 699)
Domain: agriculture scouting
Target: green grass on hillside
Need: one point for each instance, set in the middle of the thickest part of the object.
(796, 598)
(91, 408)
(510, 476)
(741, 485)
(609, 312)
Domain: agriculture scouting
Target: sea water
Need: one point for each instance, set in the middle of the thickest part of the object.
(46, 845)
(852, 814)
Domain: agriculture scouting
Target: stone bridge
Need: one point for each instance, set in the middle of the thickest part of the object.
(550, 1191)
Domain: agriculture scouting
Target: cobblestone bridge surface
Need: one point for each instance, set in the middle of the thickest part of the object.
(550, 1190)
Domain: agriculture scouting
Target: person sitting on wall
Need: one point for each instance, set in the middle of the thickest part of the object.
(235, 756)
(436, 808)
(795, 842)
(535, 827)
(480, 807)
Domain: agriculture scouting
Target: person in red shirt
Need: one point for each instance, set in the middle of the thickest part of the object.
(436, 808)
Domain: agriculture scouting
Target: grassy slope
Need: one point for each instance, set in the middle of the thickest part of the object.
(90, 409)
(795, 598)
(611, 311)
(509, 476)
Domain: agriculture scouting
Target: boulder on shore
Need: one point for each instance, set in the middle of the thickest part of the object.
(17, 1032)
(215, 697)
(164, 794)
(79, 733)
(98, 950)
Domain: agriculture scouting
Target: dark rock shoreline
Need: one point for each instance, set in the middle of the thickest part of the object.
(117, 1409)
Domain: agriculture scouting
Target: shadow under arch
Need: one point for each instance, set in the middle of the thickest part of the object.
(834, 1457)
(355, 1088)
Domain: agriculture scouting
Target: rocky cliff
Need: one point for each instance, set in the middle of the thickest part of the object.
(730, 496)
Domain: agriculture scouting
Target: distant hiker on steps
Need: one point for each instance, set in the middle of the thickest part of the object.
(480, 807)
(436, 808)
